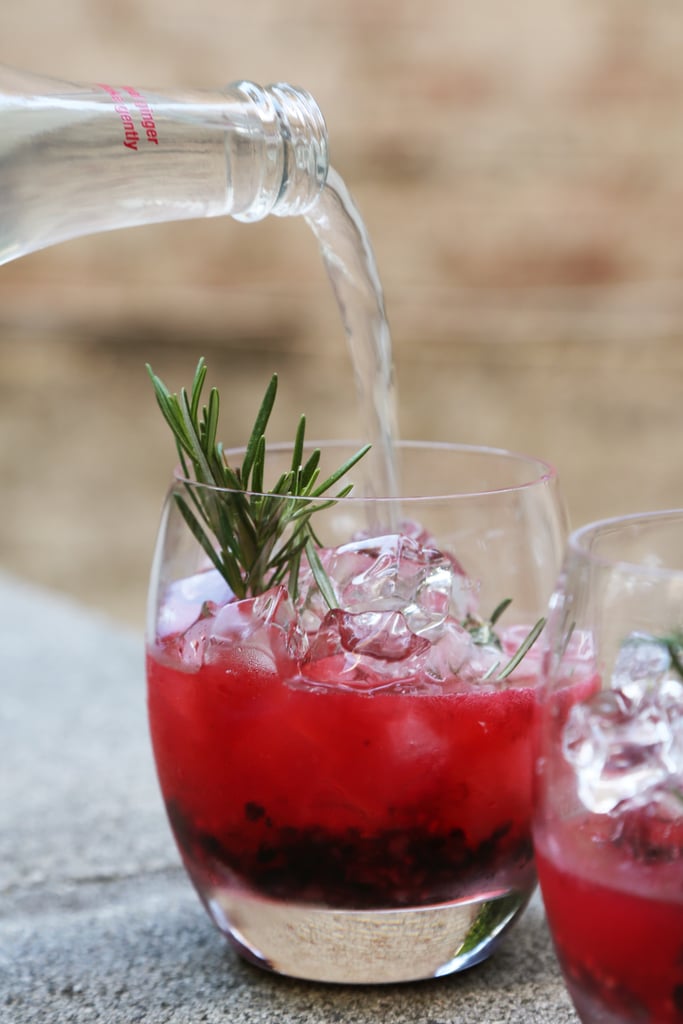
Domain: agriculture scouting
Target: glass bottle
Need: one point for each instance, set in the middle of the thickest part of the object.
(80, 159)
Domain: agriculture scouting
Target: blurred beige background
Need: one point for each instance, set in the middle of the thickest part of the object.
(519, 168)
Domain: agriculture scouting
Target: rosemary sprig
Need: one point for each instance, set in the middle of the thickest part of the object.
(254, 537)
(483, 634)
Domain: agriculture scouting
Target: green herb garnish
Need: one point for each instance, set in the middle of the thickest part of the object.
(482, 631)
(521, 652)
(255, 538)
(483, 634)
(674, 645)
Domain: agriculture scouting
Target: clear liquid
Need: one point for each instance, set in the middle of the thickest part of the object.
(350, 263)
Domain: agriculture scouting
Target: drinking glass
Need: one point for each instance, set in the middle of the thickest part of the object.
(608, 824)
(350, 786)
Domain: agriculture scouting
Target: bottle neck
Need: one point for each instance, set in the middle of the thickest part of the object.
(77, 160)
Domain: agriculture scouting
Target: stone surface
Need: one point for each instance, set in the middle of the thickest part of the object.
(97, 920)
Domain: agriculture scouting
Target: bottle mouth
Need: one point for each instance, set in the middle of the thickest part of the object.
(293, 163)
(304, 134)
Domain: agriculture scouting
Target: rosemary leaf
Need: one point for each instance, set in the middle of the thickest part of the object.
(320, 575)
(499, 609)
(259, 430)
(349, 464)
(522, 650)
(298, 451)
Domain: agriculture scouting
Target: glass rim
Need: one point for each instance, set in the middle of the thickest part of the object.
(545, 472)
(578, 542)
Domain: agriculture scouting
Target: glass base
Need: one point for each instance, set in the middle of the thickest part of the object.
(368, 946)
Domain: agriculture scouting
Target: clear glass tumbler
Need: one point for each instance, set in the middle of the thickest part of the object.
(349, 780)
(608, 826)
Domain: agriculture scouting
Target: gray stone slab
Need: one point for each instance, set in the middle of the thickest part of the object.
(98, 921)
(78, 793)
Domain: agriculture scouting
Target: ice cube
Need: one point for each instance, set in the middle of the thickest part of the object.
(190, 646)
(463, 589)
(369, 573)
(620, 751)
(668, 696)
(432, 599)
(641, 664)
(378, 572)
(383, 635)
(393, 572)
(365, 651)
(373, 651)
(416, 533)
(266, 626)
(456, 662)
(184, 600)
(264, 632)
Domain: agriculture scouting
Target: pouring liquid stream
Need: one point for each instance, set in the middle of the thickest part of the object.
(352, 270)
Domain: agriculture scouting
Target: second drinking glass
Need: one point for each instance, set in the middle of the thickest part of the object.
(609, 772)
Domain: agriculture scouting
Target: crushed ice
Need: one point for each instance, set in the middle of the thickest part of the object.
(263, 633)
(396, 572)
(625, 742)
(401, 603)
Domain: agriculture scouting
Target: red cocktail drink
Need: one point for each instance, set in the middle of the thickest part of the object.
(614, 898)
(336, 794)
